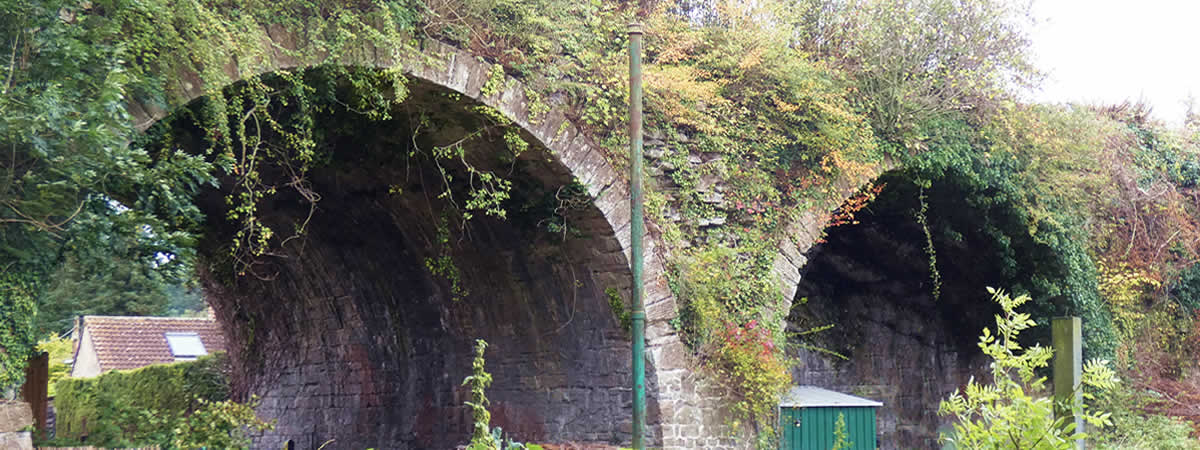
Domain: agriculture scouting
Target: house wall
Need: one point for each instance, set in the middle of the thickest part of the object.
(87, 364)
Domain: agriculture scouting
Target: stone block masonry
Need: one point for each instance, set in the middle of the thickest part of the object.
(15, 420)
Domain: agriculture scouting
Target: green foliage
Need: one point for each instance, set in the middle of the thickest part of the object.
(935, 276)
(554, 209)
(221, 424)
(69, 71)
(718, 286)
(1133, 428)
(16, 328)
(443, 264)
(840, 439)
(781, 100)
(120, 287)
(268, 124)
(183, 301)
(554, 46)
(484, 437)
(211, 424)
(143, 406)
(918, 60)
(479, 380)
(66, 135)
(505, 443)
(747, 358)
(1125, 289)
(495, 81)
(60, 349)
(620, 312)
(1185, 290)
(1159, 153)
(729, 315)
(991, 183)
(1008, 413)
(113, 264)
(488, 191)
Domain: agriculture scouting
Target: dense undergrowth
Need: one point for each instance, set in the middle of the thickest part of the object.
(178, 405)
(785, 106)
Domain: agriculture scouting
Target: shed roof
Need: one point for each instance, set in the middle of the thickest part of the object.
(812, 396)
(131, 342)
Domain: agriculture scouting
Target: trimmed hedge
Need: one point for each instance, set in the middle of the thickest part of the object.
(140, 406)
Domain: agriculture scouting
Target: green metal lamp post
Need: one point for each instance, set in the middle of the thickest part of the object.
(637, 228)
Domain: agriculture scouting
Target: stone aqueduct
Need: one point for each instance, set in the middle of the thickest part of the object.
(340, 344)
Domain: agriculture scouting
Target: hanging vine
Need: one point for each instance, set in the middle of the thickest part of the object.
(443, 265)
(255, 123)
(270, 126)
(935, 277)
(482, 190)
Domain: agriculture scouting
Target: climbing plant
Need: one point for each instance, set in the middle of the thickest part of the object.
(16, 328)
(731, 316)
(483, 437)
(1124, 289)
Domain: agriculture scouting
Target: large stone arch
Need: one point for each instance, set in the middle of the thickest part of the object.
(684, 413)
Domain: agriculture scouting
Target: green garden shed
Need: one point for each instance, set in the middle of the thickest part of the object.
(809, 414)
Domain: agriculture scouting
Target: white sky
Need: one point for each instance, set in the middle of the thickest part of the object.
(1111, 50)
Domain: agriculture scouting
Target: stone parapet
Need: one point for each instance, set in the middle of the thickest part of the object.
(15, 416)
(16, 440)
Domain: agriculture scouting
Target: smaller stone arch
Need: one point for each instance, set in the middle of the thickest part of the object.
(909, 318)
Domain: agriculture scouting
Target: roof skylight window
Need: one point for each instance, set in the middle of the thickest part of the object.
(185, 345)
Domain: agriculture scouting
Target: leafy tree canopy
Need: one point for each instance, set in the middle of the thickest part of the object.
(72, 186)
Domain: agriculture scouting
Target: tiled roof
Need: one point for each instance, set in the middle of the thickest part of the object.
(132, 342)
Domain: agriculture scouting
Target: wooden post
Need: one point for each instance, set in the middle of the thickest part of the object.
(37, 377)
(1067, 337)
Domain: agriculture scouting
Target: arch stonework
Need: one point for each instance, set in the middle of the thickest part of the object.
(690, 408)
(808, 228)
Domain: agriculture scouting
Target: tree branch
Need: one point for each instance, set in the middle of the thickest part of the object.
(12, 64)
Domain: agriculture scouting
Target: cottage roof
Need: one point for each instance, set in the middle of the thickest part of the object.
(129, 342)
(812, 396)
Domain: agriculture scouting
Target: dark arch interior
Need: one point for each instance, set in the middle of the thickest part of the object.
(872, 279)
(361, 330)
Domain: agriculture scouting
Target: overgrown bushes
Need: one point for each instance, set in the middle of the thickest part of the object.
(1185, 290)
(184, 404)
(1010, 412)
(731, 316)
(1132, 428)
